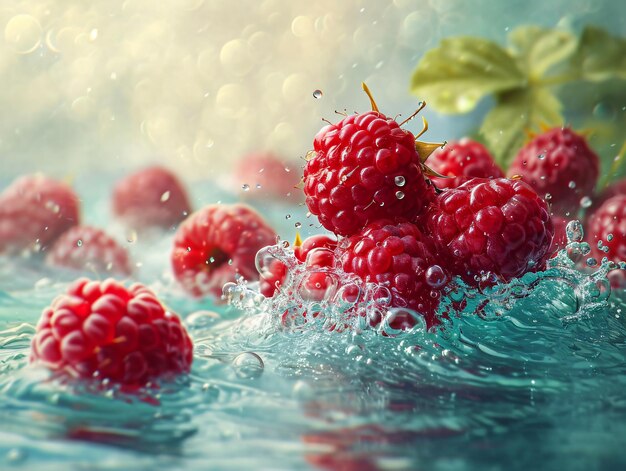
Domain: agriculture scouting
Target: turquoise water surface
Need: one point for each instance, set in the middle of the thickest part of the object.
(534, 380)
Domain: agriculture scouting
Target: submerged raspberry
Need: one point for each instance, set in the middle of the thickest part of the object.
(89, 248)
(364, 168)
(217, 243)
(558, 163)
(400, 258)
(34, 211)
(105, 330)
(499, 226)
(462, 161)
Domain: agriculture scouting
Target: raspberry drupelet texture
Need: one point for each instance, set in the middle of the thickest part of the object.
(499, 226)
(461, 161)
(90, 249)
(34, 211)
(608, 226)
(107, 331)
(315, 252)
(558, 163)
(152, 197)
(364, 168)
(216, 244)
(398, 256)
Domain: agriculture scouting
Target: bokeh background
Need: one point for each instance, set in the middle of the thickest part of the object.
(197, 84)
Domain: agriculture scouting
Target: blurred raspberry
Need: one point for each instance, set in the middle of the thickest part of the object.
(89, 249)
(558, 163)
(217, 243)
(107, 331)
(34, 211)
(152, 197)
(462, 161)
(265, 175)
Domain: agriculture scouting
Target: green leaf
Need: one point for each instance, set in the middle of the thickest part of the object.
(538, 48)
(505, 127)
(600, 56)
(456, 75)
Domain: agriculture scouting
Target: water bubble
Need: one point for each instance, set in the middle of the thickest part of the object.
(165, 196)
(585, 202)
(591, 262)
(574, 231)
(317, 94)
(399, 195)
(23, 33)
(245, 187)
(298, 225)
(435, 276)
(131, 236)
(15, 455)
(399, 181)
(609, 237)
(287, 216)
(79, 242)
(572, 184)
(541, 156)
(248, 365)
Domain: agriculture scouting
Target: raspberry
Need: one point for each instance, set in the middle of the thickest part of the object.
(462, 160)
(34, 211)
(399, 257)
(152, 197)
(105, 330)
(558, 163)
(273, 278)
(499, 226)
(607, 225)
(217, 243)
(364, 168)
(88, 248)
(265, 175)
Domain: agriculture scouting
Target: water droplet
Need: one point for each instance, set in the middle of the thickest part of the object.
(548, 197)
(79, 242)
(399, 195)
(298, 225)
(400, 180)
(585, 202)
(541, 156)
(609, 237)
(435, 276)
(287, 216)
(317, 94)
(131, 237)
(165, 196)
(574, 231)
(248, 365)
(591, 262)
(572, 184)
(245, 187)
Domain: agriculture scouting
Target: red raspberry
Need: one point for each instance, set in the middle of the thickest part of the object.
(275, 275)
(364, 168)
(34, 211)
(462, 160)
(500, 226)
(152, 197)
(105, 330)
(400, 257)
(217, 243)
(88, 248)
(265, 175)
(608, 226)
(558, 163)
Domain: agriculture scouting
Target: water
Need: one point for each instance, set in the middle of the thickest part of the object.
(534, 378)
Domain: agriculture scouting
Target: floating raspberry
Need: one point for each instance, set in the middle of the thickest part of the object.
(399, 257)
(462, 161)
(607, 227)
(91, 249)
(499, 226)
(560, 166)
(365, 168)
(265, 175)
(105, 330)
(217, 243)
(34, 211)
(152, 197)
(274, 276)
